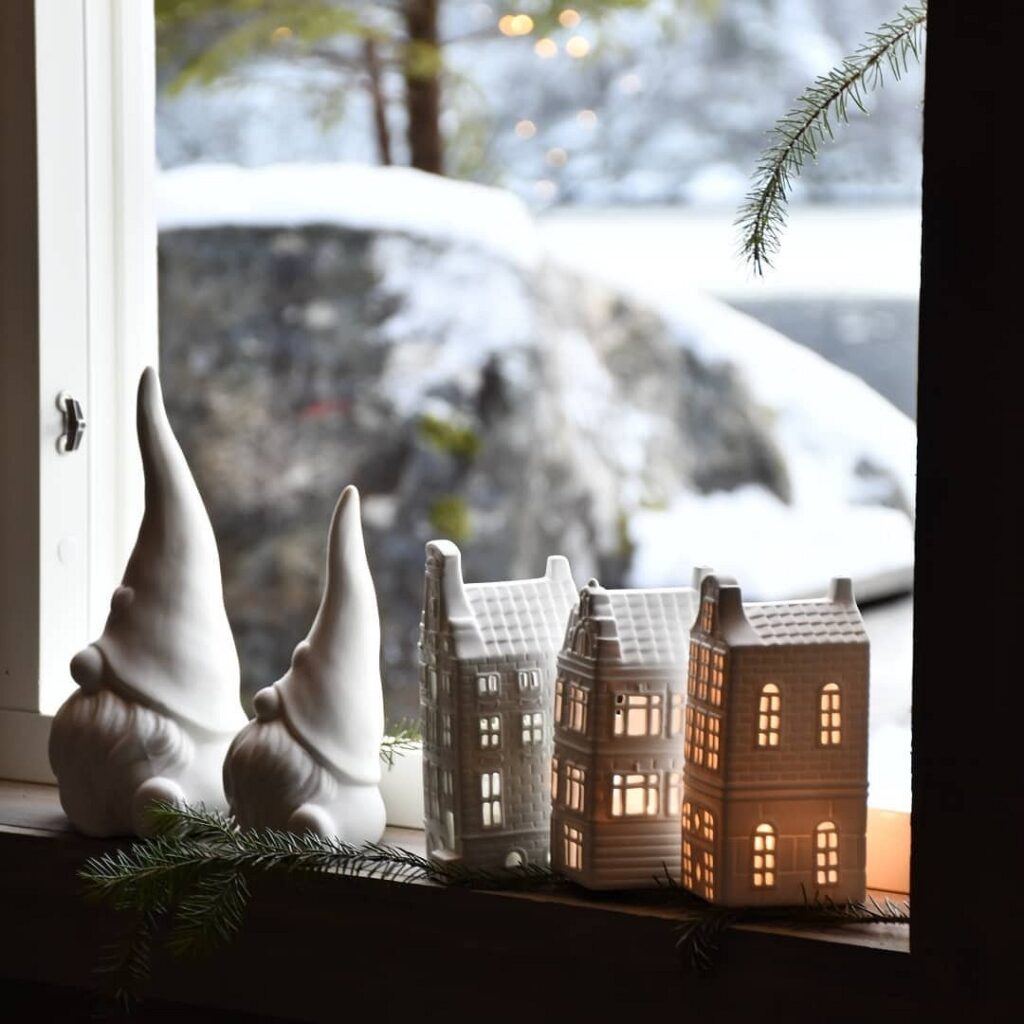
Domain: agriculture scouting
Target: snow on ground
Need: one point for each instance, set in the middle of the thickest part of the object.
(856, 251)
(353, 195)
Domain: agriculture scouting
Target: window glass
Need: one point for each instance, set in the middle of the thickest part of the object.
(763, 857)
(769, 716)
(830, 719)
(321, 324)
(826, 854)
(638, 714)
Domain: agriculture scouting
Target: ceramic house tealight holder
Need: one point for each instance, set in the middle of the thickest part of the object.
(158, 698)
(616, 775)
(310, 760)
(487, 668)
(775, 787)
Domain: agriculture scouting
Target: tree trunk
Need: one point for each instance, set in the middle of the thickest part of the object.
(380, 112)
(423, 85)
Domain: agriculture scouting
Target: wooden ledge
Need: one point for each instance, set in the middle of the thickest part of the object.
(320, 947)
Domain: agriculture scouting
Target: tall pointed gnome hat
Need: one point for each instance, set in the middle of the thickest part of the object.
(332, 692)
(167, 641)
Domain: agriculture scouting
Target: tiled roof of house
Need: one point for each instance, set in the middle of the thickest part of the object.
(652, 626)
(521, 617)
(819, 621)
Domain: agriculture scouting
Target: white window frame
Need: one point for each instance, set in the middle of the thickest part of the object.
(64, 544)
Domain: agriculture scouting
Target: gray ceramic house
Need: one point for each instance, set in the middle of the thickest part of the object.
(487, 668)
(775, 789)
(619, 715)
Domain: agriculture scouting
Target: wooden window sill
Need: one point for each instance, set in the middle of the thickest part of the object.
(315, 947)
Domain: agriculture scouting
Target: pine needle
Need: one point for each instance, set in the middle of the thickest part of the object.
(190, 885)
(797, 136)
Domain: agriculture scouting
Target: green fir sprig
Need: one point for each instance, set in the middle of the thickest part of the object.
(405, 737)
(797, 136)
(187, 888)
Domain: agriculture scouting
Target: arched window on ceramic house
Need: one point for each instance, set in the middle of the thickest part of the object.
(769, 716)
(830, 715)
(762, 862)
(826, 854)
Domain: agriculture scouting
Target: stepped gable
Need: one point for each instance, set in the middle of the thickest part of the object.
(650, 627)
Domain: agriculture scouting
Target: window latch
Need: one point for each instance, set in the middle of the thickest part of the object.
(74, 423)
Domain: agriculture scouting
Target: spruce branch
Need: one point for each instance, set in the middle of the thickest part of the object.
(405, 737)
(190, 884)
(797, 136)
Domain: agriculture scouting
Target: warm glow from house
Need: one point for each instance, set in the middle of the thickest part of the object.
(569, 18)
(545, 48)
(577, 47)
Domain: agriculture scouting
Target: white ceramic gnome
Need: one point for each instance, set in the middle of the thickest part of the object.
(158, 703)
(309, 761)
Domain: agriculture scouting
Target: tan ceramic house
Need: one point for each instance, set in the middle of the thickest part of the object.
(775, 791)
(487, 669)
(619, 713)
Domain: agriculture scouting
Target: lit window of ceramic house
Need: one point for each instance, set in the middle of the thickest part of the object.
(763, 859)
(574, 793)
(635, 794)
(529, 681)
(490, 793)
(572, 847)
(769, 716)
(638, 714)
(533, 728)
(577, 717)
(487, 684)
(830, 716)
(826, 854)
(490, 731)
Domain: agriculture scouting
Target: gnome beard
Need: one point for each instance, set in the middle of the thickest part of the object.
(158, 700)
(310, 762)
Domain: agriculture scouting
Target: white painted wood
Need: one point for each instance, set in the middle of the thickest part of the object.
(66, 545)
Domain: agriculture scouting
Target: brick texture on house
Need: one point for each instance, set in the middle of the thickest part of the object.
(487, 667)
(619, 716)
(775, 743)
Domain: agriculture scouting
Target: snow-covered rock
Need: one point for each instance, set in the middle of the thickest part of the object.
(332, 325)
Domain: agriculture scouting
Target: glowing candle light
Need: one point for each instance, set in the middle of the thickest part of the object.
(569, 18)
(545, 48)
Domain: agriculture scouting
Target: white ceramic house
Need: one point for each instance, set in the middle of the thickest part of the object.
(487, 668)
(616, 774)
(775, 789)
